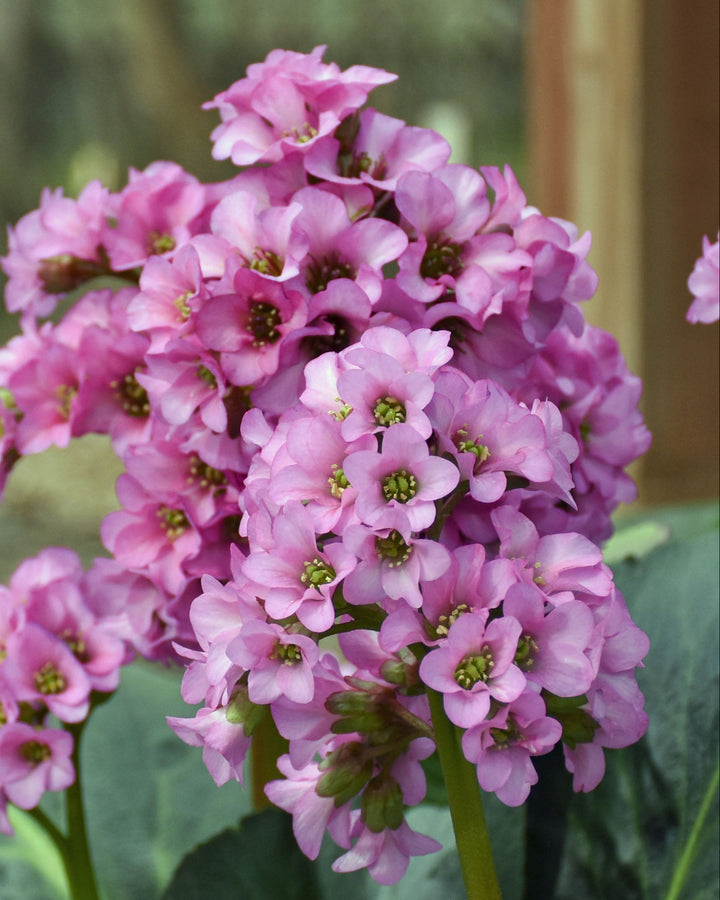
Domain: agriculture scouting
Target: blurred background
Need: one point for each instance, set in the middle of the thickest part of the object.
(606, 109)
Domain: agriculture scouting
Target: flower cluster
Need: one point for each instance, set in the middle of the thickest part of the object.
(357, 401)
(61, 651)
(704, 285)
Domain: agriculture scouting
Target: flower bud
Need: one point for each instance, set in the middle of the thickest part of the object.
(382, 804)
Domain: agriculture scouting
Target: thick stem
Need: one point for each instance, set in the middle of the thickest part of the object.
(267, 745)
(471, 835)
(77, 859)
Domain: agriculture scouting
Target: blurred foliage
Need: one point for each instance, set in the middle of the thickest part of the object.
(89, 88)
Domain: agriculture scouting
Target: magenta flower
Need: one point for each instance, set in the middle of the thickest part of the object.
(294, 576)
(279, 661)
(316, 451)
(473, 665)
(33, 761)
(491, 436)
(552, 648)
(385, 854)
(312, 814)
(54, 249)
(343, 246)
(397, 486)
(704, 285)
(248, 327)
(502, 746)
(472, 583)
(224, 742)
(153, 214)
(41, 669)
(383, 150)
(391, 564)
(286, 103)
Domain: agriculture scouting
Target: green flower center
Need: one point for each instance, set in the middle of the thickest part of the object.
(172, 521)
(77, 645)
(441, 258)
(289, 654)
(526, 652)
(316, 573)
(205, 475)
(392, 549)
(303, 134)
(472, 669)
(320, 272)
(132, 396)
(481, 451)
(204, 374)
(50, 680)
(337, 481)
(388, 411)
(266, 262)
(35, 752)
(181, 304)
(65, 393)
(400, 485)
(444, 622)
(505, 737)
(263, 319)
(160, 243)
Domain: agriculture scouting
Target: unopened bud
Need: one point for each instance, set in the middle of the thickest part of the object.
(242, 711)
(382, 804)
(346, 779)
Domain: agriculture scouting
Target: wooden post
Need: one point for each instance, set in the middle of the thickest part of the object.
(623, 130)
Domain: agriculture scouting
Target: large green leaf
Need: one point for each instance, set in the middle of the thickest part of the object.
(259, 860)
(650, 830)
(149, 798)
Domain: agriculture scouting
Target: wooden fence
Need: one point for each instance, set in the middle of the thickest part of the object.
(623, 140)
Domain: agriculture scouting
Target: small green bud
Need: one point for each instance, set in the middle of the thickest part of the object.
(347, 777)
(382, 804)
(242, 711)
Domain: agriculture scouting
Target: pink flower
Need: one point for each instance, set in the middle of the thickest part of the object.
(279, 661)
(41, 669)
(294, 576)
(312, 814)
(398, 486)
(33, 761)
(391, 564)
(224, 741)
(385, 854)
(382, 150)
(502, 746)
(54, 249)
(551, 651)
(473, 665)
(704, 285)
(153, 214)
(286, 103)
(248, 327)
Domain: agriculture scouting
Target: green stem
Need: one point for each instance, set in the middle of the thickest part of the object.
(73, 849)
(78, 862)
(683, 865)
(267, 745)
(471, 834)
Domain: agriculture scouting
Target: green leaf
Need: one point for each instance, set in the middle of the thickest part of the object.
(30, 866)
(149, 798)
(259, 860)
(650, 830)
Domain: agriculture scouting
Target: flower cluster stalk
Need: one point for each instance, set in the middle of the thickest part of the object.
(466, 809)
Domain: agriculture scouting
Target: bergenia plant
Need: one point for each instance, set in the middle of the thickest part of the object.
(371, 449)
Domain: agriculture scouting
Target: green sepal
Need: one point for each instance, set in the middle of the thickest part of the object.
(242, 711)
(382, 804)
